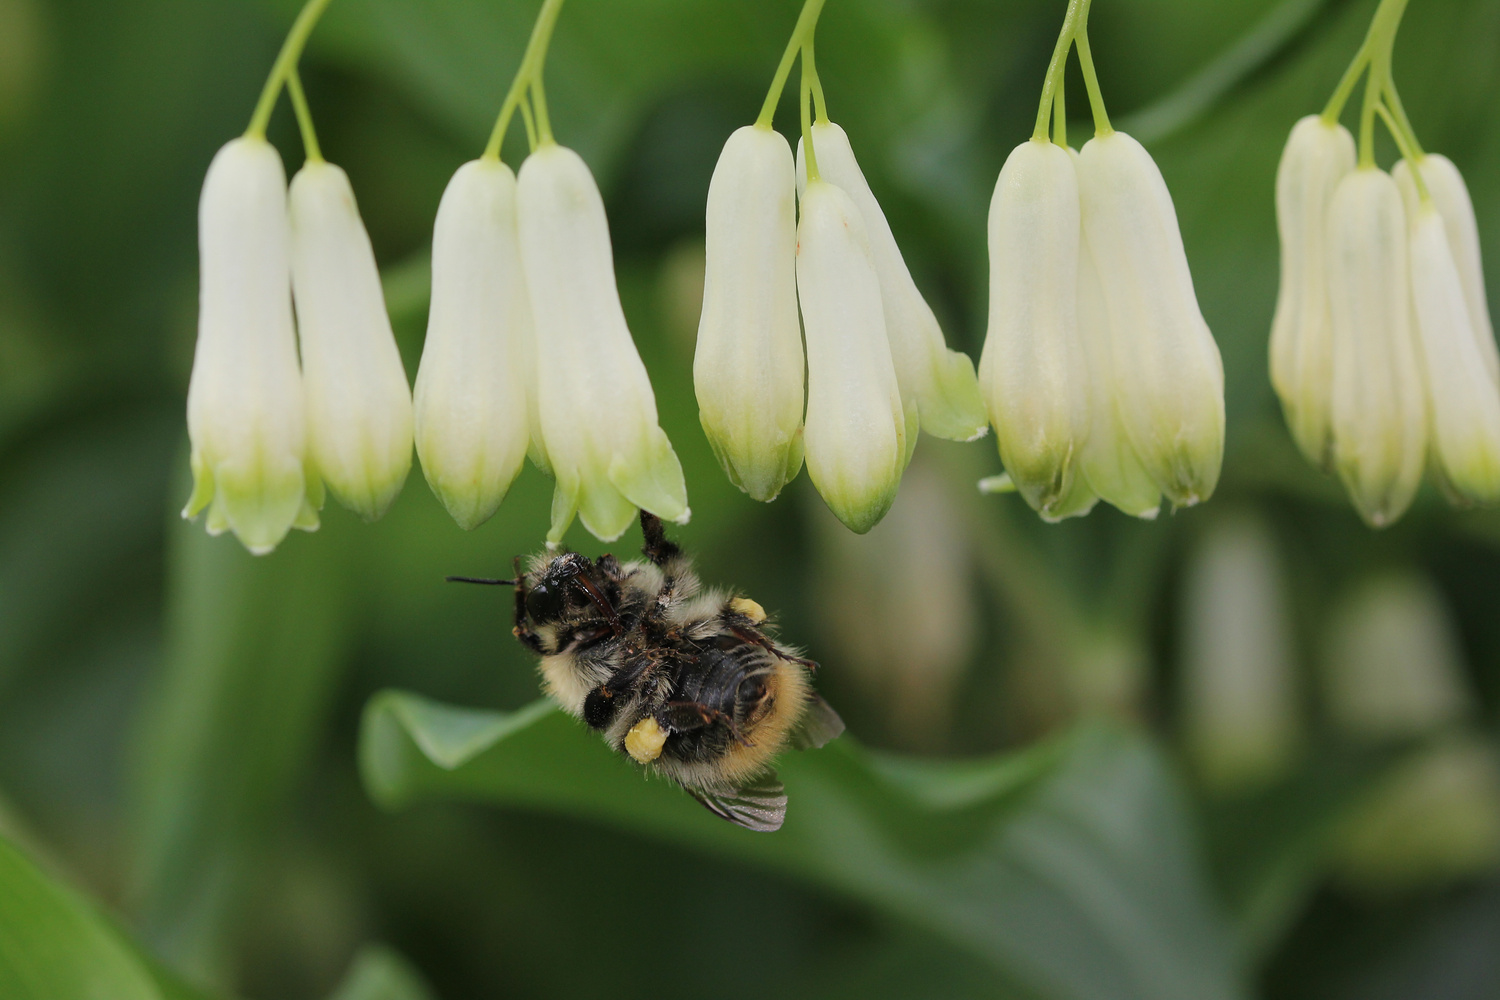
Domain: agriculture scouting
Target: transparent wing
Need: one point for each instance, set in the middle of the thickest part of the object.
(759, 805)
(819, 726)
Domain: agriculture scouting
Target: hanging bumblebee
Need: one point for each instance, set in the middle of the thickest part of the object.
(683, 680)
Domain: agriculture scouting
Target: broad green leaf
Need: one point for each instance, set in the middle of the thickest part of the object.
(253, 648)
(378, 973)
(53, 946)
(1069, 866)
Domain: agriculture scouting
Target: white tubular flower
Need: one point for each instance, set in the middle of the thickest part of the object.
(938, 383)
(1317, 156)
(1379, 403)
(598, 412)
(1032, 372)
(246, 415)
(1109, 463)
(856, 426)
(359, 417)
(1463, 399)
(472, 426)
(1451, 199)
(747, 369)
(1169, 380)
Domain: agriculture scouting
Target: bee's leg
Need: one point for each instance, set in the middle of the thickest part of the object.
(657, 548)
(686, 716)
(759, 640)
(521, 630)
(604, 701)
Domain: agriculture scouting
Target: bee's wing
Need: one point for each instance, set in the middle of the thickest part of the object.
(819, 726)
(759, 805)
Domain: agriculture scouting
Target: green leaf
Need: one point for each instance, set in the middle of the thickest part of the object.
(1068, 866)
(53, 946)
(378, 973)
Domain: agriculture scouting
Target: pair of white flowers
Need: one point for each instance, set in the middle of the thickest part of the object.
(1101, 376)
(877, 368)
(527, 349)
(1382, 348)
(267, 431)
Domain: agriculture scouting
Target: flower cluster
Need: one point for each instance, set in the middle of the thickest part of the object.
(267, 432)
(1382, 349)
(878, 370)
(1100, 374)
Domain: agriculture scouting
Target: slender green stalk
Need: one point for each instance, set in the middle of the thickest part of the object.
(304, 118)
(529, 121)
(1393, 101)
(528, 76)
(1090, 79)
(1387, 16)
(807, 22)
(810, 65)
(286, 62)
(1409, 151)
(1380, 67)
(803, 104)
(1053, 80)
(1060, 116)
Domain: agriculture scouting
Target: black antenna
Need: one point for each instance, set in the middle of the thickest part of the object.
(475, 579)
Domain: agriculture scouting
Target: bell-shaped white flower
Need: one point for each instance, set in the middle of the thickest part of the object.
(856, 426)
(1032, 371)
(748, 366)
(472, 426)
(246, 413)
(1463, 399)
(937, 383)
(1109, 463)
(359, 418)
(1316, 157)
(598, 413)
(1450, 196)
(1379, 402)
(1169, 379)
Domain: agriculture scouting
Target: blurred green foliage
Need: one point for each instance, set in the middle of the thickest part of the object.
(181, 800)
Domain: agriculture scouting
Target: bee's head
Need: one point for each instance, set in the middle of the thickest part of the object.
(560, 587)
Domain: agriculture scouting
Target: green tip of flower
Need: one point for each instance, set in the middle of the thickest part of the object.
(762, 475)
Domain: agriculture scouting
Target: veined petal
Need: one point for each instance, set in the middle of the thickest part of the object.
(359, 416)
(940, 383)
(1463, 400)
(748, 366)
(1451, 199)
(1379, 403)
(246, 414)
(1032, 372)
(856, 426)
(597, 410)
(472, 427)
(1316, 157)
(1109, 462)
(1168, 376)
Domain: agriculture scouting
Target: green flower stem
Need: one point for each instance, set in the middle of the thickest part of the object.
(810, 66)
(1393, 101)
(1090, 78)
(528, 120)
(528, 77)
(807, 22)
(1060, 116)
(1381, 35)
(1052, 82)
(1409, 150)
(286, 63)
(807, 144)
(304, 118)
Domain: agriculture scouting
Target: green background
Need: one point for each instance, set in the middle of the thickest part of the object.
(197, 791)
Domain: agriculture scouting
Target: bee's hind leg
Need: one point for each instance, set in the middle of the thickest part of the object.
(657, 548)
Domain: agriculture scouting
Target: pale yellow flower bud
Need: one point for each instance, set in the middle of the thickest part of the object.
(856, 427)
(1169, 381)
(245, 406)
(598, 412)
(1032, 371)
(472, 427)
(1316, 157)
(359, 417)
(1379, 402)
(747, 369)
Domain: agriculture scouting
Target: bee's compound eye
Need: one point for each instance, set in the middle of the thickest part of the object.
(751, 691)
(544, 602)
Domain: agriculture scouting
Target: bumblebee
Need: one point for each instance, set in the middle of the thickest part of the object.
(686, 682)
